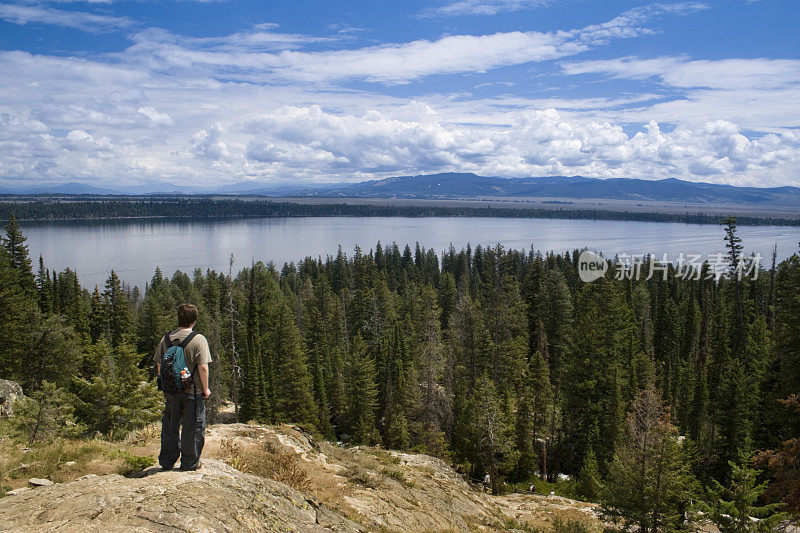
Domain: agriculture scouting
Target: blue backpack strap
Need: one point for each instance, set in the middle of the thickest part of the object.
(184, 343)
(167, 344)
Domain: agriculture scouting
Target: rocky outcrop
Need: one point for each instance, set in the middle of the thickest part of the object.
(217, 498)
(10, 391)
(278, 478)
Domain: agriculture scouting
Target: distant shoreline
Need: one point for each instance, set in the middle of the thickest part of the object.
(77, 209)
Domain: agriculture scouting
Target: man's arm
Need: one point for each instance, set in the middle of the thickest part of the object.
(157, 355)
(203, 371)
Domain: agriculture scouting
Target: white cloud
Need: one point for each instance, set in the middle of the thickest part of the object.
(483, 7)
(309, 142)
(80, 141)
(245, 56)
(26, 14)
(390, 63)
(264, 105)
(206, 143)
(683, 72)
(156, 117)
(758, 94)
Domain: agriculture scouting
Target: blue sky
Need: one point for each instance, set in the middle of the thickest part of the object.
(213, 92)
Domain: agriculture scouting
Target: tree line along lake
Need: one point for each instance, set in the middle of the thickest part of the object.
(134, 248)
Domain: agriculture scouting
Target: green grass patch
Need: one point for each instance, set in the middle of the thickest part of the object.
(133, 463)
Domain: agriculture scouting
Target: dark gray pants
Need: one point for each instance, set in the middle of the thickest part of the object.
(185, 410)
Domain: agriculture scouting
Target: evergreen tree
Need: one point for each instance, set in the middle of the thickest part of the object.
(397, 434)
(555, 310)
(18, 312)
(157, 313)
(734, 420)
(589, 485)
(255, 405)
(362, 394)
(294, 400)
(492, 433)
(699, 425)
(592, 395)
(734, 245)
(734, 508)
(44, 287)
(119, 318)
(541, 398)
(785, 371)
(97, 319)
(526, 454)
(52, 353)
(116, 397)
(649, 483)
(46, 414)
(16, 253)
(434, 408)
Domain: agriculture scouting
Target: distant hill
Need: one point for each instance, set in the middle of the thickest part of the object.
(457, 185)
(453, 185)
(160, 187)
(68, 188)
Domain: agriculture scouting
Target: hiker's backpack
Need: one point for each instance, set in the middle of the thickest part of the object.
(175, 376)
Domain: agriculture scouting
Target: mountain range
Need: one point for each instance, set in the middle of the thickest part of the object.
(466, 185)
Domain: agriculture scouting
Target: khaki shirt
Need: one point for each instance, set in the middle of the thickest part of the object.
(196, 353)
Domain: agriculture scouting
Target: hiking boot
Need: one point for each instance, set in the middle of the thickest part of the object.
(199, 464)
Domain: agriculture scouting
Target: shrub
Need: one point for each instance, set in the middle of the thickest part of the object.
(5, 476)
(266, 460)
(142, 436)
(134, 463)
(362, 476)
(569, 526)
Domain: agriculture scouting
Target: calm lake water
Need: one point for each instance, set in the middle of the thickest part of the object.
(135, 248)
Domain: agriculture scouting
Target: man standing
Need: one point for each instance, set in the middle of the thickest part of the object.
(185, 407)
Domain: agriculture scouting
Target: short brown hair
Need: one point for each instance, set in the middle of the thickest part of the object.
(187, 315)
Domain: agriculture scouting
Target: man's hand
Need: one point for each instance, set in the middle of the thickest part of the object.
(206, 393)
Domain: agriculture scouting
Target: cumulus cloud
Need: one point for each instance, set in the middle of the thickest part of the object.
(538, 143)
(80, 141)
(310, 143)
(207, 143)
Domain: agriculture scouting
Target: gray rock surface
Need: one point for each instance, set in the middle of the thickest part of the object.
(216, 498)
(10, 391)
(343, 489)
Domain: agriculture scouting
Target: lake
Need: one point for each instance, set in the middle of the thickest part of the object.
(135, 248)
